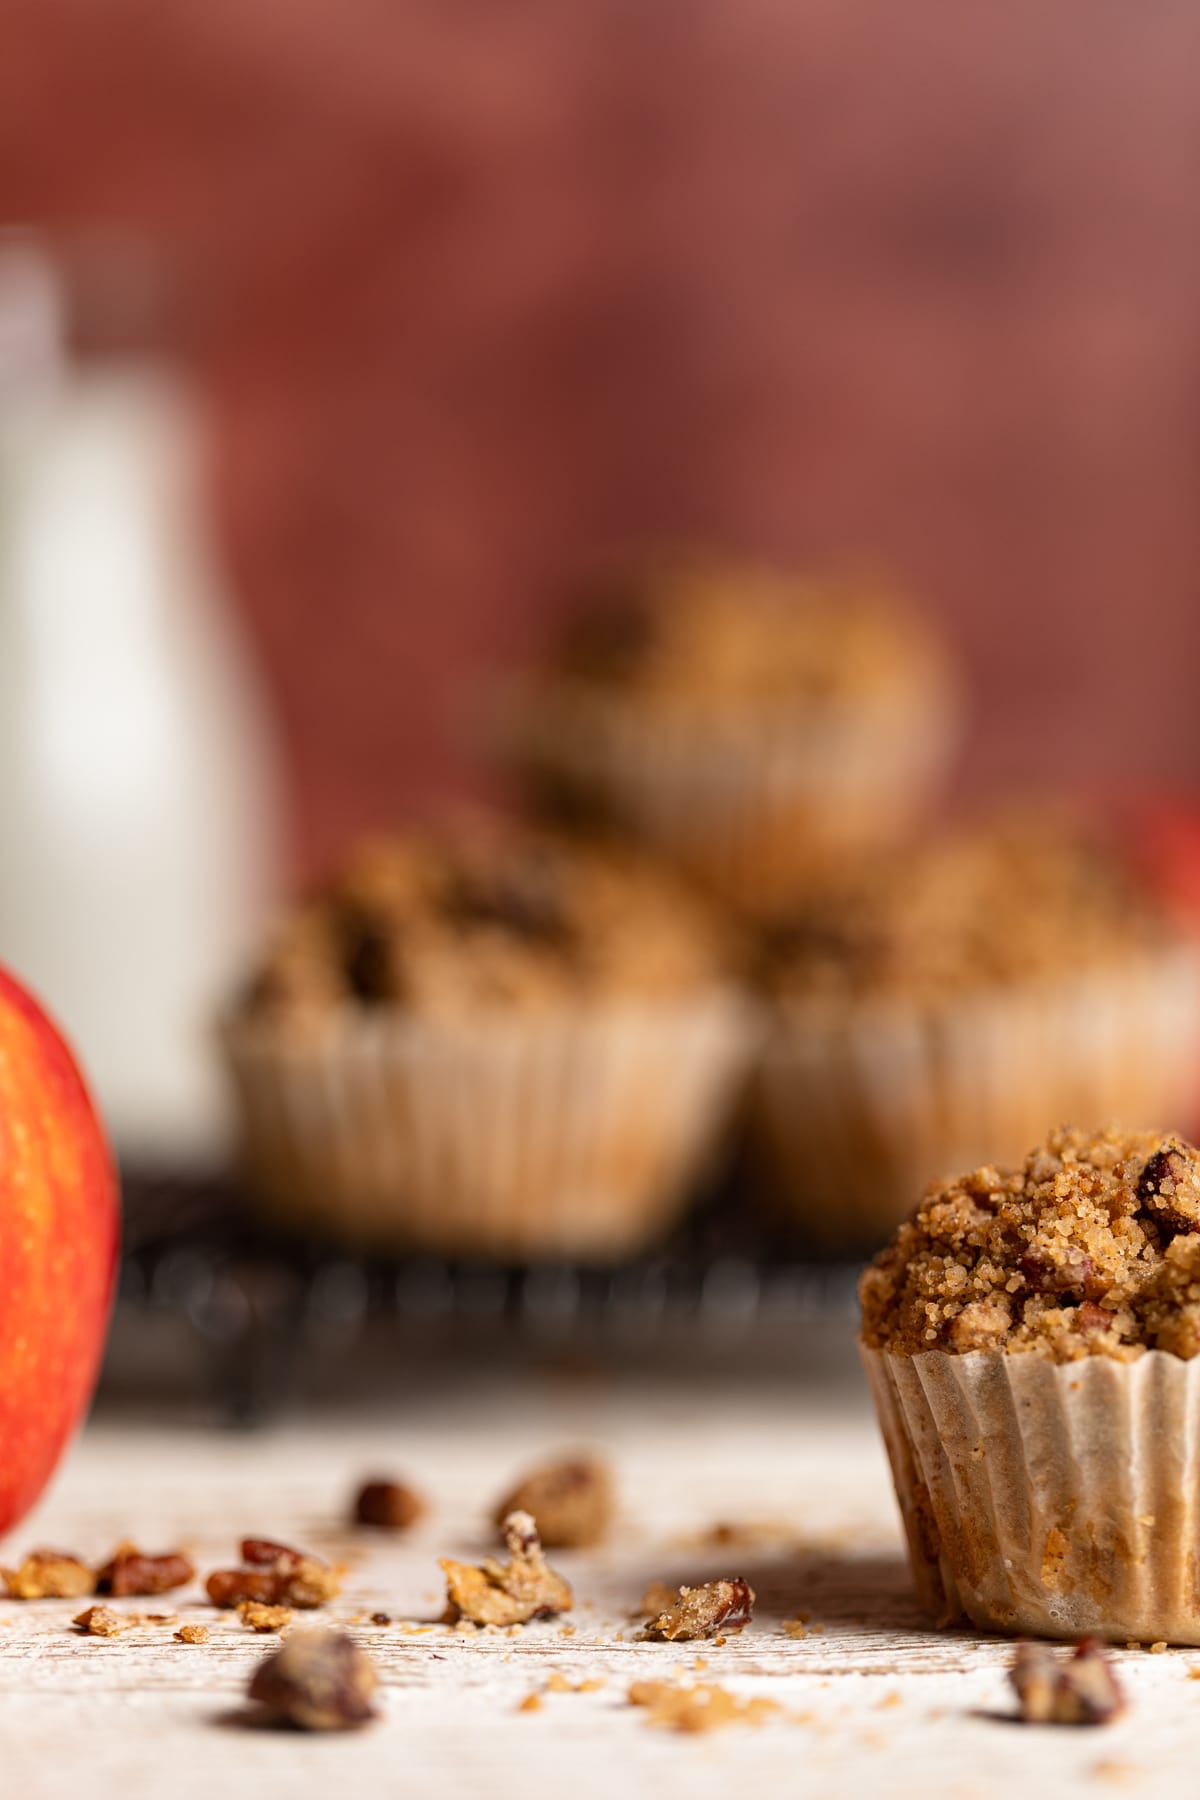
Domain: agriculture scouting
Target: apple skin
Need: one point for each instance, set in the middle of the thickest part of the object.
(59, 1233)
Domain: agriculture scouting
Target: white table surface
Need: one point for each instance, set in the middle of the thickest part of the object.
(886, 1705)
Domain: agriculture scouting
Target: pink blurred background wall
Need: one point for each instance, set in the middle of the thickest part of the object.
(479, 287)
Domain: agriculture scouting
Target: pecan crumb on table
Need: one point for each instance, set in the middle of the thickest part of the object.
(264, 1618)
(130, 1571)
(101, 1621)
(705, 1707)
(1080, 1689)
(319, 1681)
(192, 1634)
(50, 1575)
(571, 1499)
(506, 1593)
(275, 1575)
(390, 1505)
(698, 1612)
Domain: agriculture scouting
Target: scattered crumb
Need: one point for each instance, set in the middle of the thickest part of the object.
(1157, 1649)
(572, 1500)
(509, 1593)
(698, 1612)
(1110, 1770)
(895, 1698)
(192, 1634)
(101, 1621)
(705, 1707)
(794, 1628)
(381, 1618)
(49, 1575)
(319, 1681)
(531, 1703)
(388, 1505)
(260, 1617)
(1080, 1689)
(275, 1575)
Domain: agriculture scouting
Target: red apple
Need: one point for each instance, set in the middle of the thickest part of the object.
(59, 1228)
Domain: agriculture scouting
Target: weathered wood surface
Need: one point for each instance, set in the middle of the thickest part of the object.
(884, 1704)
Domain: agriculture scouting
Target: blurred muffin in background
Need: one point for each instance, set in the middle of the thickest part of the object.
(946, 1009)
(488, 1043)
(752, 725)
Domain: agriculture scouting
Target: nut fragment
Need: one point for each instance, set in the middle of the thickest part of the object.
(698, 1612)
(507, 1594)
(319, 1681)
(192, 1634)
(50, 1575)
(1081, 1690)
(1169, 1189)
(101, 1621)
(391, 1505)
(277, 1575)
(264, 1618)
(130, 1571)
(571, 1500)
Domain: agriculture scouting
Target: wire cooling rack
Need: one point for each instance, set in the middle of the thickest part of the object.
(727, 1282)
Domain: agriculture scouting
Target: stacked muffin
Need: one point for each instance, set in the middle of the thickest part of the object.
(521, 1041)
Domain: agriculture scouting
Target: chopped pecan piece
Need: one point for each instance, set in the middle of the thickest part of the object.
(1062, 1270)
(1081, 1690)
(507, 1593)
(276, 1575)
(319, 1681)
(101, 1621)
(391, 1505)
(1169, 1189)
(192, 1634)
(571, 1500)
(130, 1571)
(50, 1575)
(698, 1612)
(264, 1618)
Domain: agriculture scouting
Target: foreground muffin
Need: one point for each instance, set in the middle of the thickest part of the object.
(493, 1044)
(933, 1013)
(1031, 1339)
(752, 725)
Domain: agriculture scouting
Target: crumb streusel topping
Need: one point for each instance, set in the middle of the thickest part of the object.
(681, 630)
(495, 916)
(1026, 895)
(1091, 1248)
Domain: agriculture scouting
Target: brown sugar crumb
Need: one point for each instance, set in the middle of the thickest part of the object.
(506, 1593)
(318, 1681)
(1081, 1690)
(192, 1634)
(275, 1575)
(1091, 1247)
(531, 1703)
(388, 1505)
(130, 1571)
(700, 1612)
(101, 1621)
(571, 1499)
(264, 1618)
(49, 1575)
(705, 1707)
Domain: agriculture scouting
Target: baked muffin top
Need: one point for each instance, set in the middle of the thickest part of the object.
(680, 630)
(1090, 1248)
(495, 915)
(1024, 896)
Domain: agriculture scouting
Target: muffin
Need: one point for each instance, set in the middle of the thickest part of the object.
(933, 1013)
(1031, 1339)
(494, 1045)
(750, 725)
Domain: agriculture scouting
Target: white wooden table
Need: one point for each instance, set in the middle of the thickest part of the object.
(872, 1703)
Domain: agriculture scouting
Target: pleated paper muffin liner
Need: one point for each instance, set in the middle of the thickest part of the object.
(859, 1105)
(753, 803)
(576, 1133)
(1048, 1499)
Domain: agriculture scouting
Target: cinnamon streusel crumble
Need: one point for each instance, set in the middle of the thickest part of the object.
(1091, 1248)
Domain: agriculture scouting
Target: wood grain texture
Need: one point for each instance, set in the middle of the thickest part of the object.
(884, 1701)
